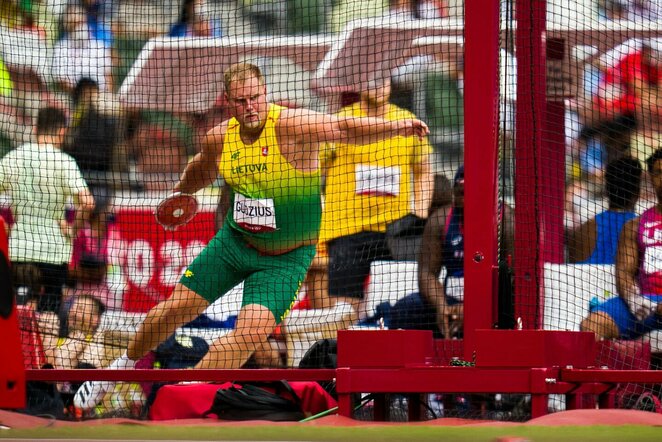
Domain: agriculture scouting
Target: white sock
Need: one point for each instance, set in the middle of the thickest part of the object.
(123, 362)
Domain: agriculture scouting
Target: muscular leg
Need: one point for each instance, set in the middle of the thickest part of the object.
(254, 325)
(184, 305)
(601, 324)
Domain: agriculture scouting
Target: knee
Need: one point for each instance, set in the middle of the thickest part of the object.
(587, 323)
(256, 333)
(592, 322)
(601, 324)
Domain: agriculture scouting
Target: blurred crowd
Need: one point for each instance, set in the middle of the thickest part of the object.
(53, 49)
(66, 41)
(75, 55)
(616, 112)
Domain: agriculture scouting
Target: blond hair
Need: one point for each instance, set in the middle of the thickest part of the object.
(241, 72)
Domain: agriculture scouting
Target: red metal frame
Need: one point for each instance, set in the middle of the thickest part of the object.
(481, 74)
(576, 384)
(169, 375)
(531, 96)
(612, 376)
(12, 373)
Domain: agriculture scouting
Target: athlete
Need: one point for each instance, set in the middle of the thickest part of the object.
(268, 156)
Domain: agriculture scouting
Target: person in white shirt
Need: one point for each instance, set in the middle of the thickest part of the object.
(79, 55)
(41, 179)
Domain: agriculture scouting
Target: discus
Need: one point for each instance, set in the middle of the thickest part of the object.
(176, 210)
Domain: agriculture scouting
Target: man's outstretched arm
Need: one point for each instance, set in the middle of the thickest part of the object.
(314, 127)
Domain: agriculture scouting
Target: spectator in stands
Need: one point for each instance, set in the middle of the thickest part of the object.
(626, 100)
(22, 74)
(639, 10)
(367, 188)
(92, 140)
(193, 23)
(27, 283)
(613, 9)
(408, 76)
(96, 14)
(596, 241)
(78, 55)
(40, 179)
(18, 15)
(88, 270)
(401, 10)
(439, 306)
(7, 120)
(638, 308)
(269, 158)
(79, 321)
(76, 343)
(134, 22)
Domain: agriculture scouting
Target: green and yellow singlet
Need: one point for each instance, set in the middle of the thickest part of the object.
(275, 206)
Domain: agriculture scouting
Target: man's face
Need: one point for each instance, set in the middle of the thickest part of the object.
(248, 102)
(84, 315)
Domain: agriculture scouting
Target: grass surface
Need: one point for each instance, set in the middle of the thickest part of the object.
(310, 433)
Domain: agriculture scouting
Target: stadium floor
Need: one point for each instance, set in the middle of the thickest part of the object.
(571, 418)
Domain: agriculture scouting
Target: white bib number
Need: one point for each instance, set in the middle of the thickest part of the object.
(376, 180)
(254, 215)
(653, 259)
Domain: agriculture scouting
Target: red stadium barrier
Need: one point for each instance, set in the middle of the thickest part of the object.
(149, 259)
(12, 371)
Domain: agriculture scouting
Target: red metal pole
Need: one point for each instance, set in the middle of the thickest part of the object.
(552, 173)
(481, 97)
(530, 118)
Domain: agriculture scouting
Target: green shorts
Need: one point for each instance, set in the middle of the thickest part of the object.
(272, 281)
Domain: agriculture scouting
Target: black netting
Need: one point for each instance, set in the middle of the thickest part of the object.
(263, 104)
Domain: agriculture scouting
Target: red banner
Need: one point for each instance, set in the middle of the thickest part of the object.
(147, 261)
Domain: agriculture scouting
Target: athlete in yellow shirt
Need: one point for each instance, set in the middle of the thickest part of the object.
(369, 186)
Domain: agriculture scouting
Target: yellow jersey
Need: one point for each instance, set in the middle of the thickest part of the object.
(274, 206)
(369, 186)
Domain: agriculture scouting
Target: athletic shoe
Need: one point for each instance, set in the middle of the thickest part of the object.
(91, 393)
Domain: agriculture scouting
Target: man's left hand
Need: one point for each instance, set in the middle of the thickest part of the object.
(413, 128)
